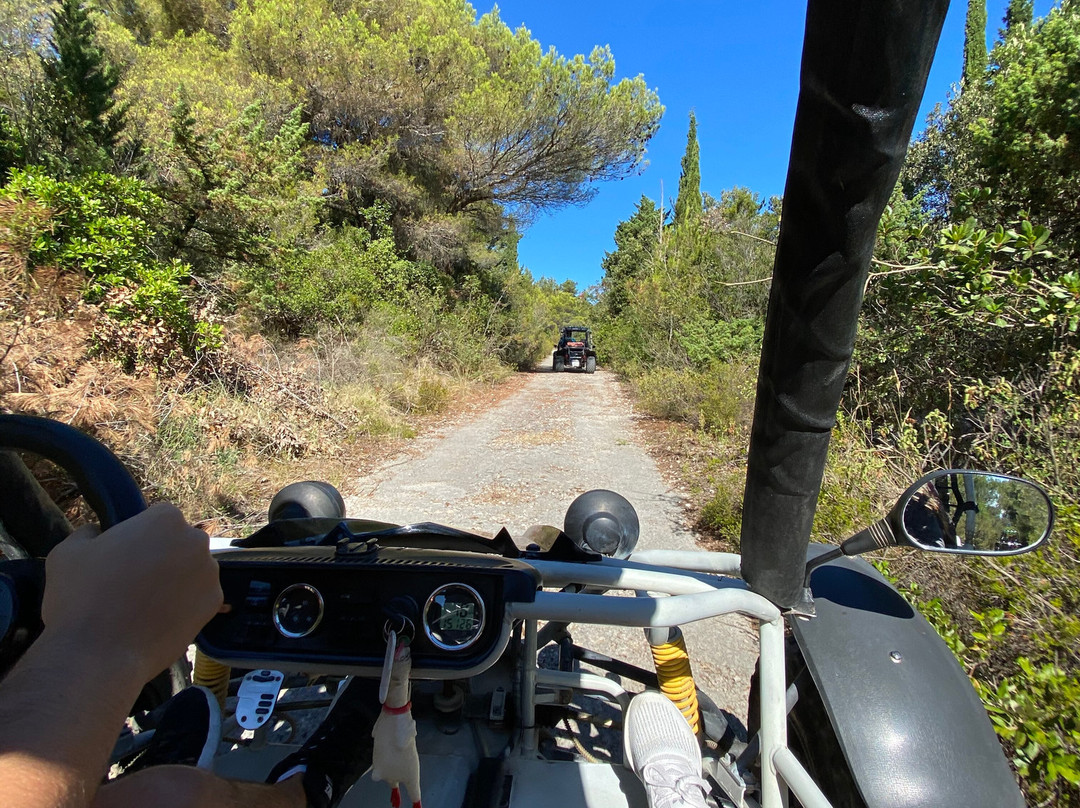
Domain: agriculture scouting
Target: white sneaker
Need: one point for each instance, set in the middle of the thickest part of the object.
(661, 749)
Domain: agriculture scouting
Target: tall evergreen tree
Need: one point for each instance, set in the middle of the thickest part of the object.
(1019, 13)
(635, 240)
(87, 121)
(688, 202)
(975, 42)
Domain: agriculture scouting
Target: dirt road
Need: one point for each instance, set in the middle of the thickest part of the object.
(522, 462)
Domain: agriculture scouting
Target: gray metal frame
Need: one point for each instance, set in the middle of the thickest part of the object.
(687, 589)
(673, 588)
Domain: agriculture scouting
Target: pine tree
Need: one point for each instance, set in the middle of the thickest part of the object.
(635, 240)
(86, 122)
(1019, 13)
(688, 202)
(975, 42)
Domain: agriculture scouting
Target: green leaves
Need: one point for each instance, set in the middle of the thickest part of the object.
(538, 131)
(1004, 277)
(99, 224)
(1035, 711)
(102, 227)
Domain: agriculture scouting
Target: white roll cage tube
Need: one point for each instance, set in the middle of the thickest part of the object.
(683, 587)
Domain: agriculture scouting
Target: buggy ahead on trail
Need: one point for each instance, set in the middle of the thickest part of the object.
(575, 350)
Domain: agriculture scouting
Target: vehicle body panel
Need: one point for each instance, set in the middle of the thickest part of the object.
(911, 727)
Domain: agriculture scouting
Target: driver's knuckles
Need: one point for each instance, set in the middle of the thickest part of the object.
(146, 586)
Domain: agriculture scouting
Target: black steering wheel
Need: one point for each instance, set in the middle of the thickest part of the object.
(111, 492)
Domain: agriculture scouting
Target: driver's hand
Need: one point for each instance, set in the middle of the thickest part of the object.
(142, 589)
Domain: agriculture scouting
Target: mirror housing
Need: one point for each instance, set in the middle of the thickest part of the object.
(973, 513)
(603, 522)
(960, 512)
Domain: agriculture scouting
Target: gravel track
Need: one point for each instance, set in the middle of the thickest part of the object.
(521, 462)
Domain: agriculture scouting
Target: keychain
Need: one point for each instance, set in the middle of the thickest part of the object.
(395, 760)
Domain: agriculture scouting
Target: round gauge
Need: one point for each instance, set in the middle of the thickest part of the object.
(454, 617)
(298, 610)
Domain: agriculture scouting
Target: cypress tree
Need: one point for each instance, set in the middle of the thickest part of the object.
(975, 42)
(688, 202)
(86, 121)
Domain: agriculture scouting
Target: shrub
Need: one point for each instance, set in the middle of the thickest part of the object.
(337, 282)
(668, 393)
(706, 342)
(100, 227)
(1035, 712)
(723, 512)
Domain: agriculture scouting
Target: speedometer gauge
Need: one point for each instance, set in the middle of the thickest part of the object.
(454, 617)
(298, 610)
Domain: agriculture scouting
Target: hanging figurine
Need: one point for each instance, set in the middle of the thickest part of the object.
(395, 760)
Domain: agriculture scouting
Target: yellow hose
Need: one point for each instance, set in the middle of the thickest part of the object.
(212, 675)
(676, 679)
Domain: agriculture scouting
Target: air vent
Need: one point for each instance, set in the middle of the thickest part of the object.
(410, 562)
(249, 557)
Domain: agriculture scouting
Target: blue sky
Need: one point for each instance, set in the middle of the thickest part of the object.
(735, 64)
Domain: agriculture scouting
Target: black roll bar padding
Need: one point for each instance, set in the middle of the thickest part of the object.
(864, 69)
(102, 479)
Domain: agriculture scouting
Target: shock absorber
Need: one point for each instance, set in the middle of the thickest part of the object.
(673, 670)
(212, 675)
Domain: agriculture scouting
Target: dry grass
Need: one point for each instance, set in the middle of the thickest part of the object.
(220, 434)
(539, 437)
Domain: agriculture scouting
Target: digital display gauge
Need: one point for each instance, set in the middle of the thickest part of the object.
(454, 617)
(298, 610)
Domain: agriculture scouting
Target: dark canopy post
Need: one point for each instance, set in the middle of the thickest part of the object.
(864, 69)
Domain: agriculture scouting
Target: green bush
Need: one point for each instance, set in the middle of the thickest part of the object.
(1035, 712)
(338, 282)
(669, 393)
(101, 227)
(99, 224)
(706, 342)
(722, 513)
(714, 400)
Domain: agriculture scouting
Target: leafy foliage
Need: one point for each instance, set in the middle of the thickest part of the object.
(99, 227)
(231, 190)
(1016, 133)
(1030, 144)
(1035, 712)
(635, 240)
(457, 112)
(684, 297)
(1019, 13)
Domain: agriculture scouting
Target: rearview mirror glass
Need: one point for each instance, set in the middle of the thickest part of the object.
(977, 513)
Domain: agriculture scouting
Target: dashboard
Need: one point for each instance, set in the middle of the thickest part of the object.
(315, 610)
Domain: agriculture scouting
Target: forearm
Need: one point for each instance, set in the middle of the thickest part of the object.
(61, 710)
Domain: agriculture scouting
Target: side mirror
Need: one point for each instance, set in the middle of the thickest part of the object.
(603, 522)
(973, 513)
(962, 512)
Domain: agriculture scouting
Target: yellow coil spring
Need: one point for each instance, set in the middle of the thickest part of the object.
(677, 680)
(212, 675)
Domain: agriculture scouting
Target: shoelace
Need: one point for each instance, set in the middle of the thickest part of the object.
(690, 789)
